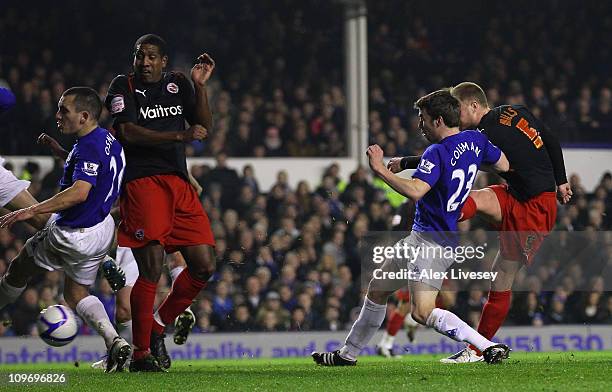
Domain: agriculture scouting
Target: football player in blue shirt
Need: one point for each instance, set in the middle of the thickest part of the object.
(78, 236)
(439, 186)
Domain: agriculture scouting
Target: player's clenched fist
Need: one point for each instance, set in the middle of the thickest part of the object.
(195, 132)
(201, 71)
(375, 155)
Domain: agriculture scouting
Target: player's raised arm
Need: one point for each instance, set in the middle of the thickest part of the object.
(413, 188)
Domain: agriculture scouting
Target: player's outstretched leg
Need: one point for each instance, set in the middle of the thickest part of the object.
(188, 284)
(92, 311)
(150, 260)
(448, 324)
(494, 311)
(371, 317)
(123, 320)
(369, 321)
(185, 321)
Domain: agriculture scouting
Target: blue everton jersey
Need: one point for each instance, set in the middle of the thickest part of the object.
(98, 159)
(450, 168)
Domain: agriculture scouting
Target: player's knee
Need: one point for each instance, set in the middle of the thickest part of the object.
(205, 266)
(378, 296)
(202, 272)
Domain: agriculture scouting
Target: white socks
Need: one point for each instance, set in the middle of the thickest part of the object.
(8, 293)
(92, 311)
(450, 325)
(175, 272)
(369, 321)
(125, 331)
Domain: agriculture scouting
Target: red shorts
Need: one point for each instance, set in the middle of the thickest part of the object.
(163, 208)
(524, 224)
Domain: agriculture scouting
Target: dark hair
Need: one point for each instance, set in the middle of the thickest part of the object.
(470, 90)
(151, 39)
(86, 99)
(440, 104)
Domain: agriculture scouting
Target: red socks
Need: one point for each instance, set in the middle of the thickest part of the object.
(395, 323)
(141, 301)
(468, 210)
(494, 313)
(184, 290)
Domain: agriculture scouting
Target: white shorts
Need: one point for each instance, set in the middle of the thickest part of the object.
(77, 252)
(427, 266)
(125, 259)
(10, 186)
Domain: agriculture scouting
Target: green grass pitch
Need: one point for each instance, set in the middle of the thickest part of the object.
(581, 371)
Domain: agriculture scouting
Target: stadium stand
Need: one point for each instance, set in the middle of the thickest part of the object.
(288, 258)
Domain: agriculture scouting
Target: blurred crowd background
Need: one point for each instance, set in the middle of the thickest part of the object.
(288, 259)
(278, 88)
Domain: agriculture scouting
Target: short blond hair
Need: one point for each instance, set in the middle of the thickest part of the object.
(469, 90)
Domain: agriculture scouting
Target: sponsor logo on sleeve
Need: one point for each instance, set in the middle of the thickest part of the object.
(117, 104)
(426, 166)
(172, 88)
(90, 168)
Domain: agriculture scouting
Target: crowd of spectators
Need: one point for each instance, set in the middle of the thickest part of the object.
(289, 259)
(278, 87)
(520, 54)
